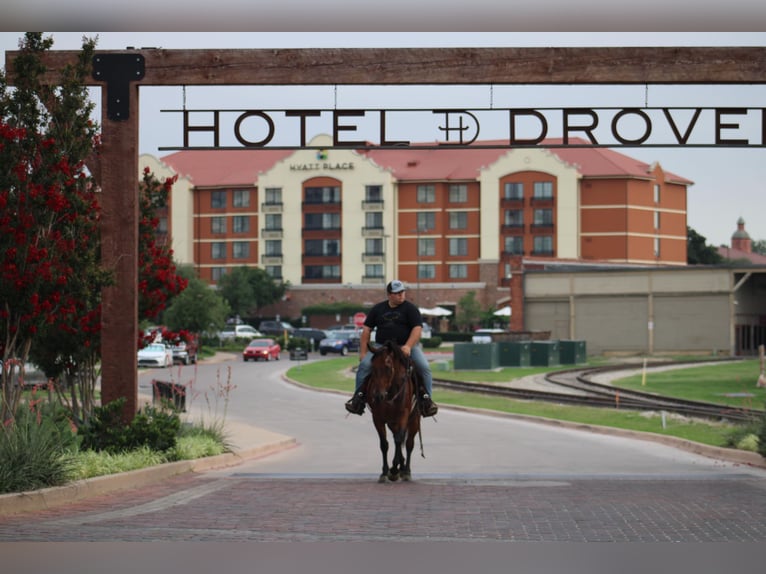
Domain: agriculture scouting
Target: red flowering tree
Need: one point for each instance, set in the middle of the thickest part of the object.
(49, 213)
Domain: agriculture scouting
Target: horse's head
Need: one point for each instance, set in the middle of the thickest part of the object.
(388, 376)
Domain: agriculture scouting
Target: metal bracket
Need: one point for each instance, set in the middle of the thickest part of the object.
(118, 70)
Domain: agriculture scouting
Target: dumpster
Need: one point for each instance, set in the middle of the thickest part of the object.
(169, 393)
(544, 353)
(513, 353)
(474, 356)
(572, 352)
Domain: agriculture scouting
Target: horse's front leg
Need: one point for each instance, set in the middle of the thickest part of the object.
(381, 428)
(398, 462)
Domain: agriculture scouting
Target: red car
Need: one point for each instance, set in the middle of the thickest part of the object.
(266, 349)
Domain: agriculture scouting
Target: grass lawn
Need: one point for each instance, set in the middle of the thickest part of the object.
(336, 374)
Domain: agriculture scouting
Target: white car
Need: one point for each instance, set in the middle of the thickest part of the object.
(240, 332)
(155, 355)
(484, 335)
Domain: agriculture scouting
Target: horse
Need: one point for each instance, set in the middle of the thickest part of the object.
(392, 398)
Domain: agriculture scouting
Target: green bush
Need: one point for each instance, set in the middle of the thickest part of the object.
(762, 437)
(151, 427)
(298, 343)
(431, 343)
(35, 451)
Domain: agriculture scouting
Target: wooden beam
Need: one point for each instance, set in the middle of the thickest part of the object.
(423, 66)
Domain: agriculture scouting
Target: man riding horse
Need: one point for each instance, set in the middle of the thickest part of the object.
(398, 320)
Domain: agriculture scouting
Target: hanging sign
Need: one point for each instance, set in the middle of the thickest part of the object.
(509, 127)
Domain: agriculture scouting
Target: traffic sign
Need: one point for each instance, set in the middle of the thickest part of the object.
(359, 319)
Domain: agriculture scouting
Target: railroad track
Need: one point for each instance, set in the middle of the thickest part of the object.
(583, 390)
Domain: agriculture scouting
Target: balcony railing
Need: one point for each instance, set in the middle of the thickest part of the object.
(372, 205)
(373, 258)
(274, 259)
(272, 207)
(271, 233)
(372, 231)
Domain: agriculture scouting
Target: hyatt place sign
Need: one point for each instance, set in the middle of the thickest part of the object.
(492, 127)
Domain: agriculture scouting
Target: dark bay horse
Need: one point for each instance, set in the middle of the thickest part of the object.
(392, 400)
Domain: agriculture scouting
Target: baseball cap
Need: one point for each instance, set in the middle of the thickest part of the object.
(395, 286)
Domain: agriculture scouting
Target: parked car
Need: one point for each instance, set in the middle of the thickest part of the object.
(155, 355)
(266, 349)
(186, 351)
(276, 328)
(485, 335)
(315, 335)
(340, 342)
(239, 331)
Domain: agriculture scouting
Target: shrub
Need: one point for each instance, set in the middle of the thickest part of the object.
(34, 451)
(154, 428)
(762, 437)
(431, 343)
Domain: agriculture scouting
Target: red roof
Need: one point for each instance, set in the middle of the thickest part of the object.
(734, 254)
(219, 168)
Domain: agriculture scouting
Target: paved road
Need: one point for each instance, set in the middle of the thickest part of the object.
(482, 478)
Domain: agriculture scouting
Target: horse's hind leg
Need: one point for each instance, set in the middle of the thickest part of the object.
(398, 462)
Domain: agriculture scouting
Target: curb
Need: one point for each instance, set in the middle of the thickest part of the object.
(47, 498)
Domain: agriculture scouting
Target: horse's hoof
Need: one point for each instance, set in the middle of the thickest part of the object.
(393, 477)
(382, 478)
(406, 477)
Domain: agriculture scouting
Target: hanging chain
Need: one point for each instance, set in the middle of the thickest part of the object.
(183, 90)
(491, 96)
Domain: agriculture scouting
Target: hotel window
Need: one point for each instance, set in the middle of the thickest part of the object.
(322, 247)
(458, 193)
(543, 190)
(513, 190)
(322, 195)
(426, 271)
(274, 271)
(373, 219)
(218, 225)
(323, 221)
(240, 249)
(656, 246)
(273, 195)
(217, 272)
(656, 193)
(373, 270)
(514, 218)
(426, 221)
(322, 271)
(273, 221)
(426, 194)
(373, 193)
(514, 245)
(458, 271)
(544, 217)
(218, 250)
(218, 199)
(656, 219)
(241, 223)
(241, 198)
(426, 246)
(273, 247)
(373, 246)
(543, 244)
(162, 225)
(458, 220)
(458, 246)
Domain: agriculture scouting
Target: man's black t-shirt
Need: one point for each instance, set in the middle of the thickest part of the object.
(393, 323)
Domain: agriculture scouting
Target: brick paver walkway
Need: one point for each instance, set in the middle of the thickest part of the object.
(252, 507)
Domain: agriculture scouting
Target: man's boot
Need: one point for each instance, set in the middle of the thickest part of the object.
(427, 407)
(355, 405)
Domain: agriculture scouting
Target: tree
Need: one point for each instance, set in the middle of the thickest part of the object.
(50, 279)
(198, 309)
(246, 289)
(468, 312)
(759, 246)
(698, 252)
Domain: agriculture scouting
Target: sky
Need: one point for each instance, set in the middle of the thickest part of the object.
(728, 183)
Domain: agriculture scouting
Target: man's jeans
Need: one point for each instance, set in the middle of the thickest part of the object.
(417, 356)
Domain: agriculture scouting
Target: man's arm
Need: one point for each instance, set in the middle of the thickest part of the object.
(413, 339)
(364, 340)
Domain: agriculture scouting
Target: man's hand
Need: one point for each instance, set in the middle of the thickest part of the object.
(406, 350)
